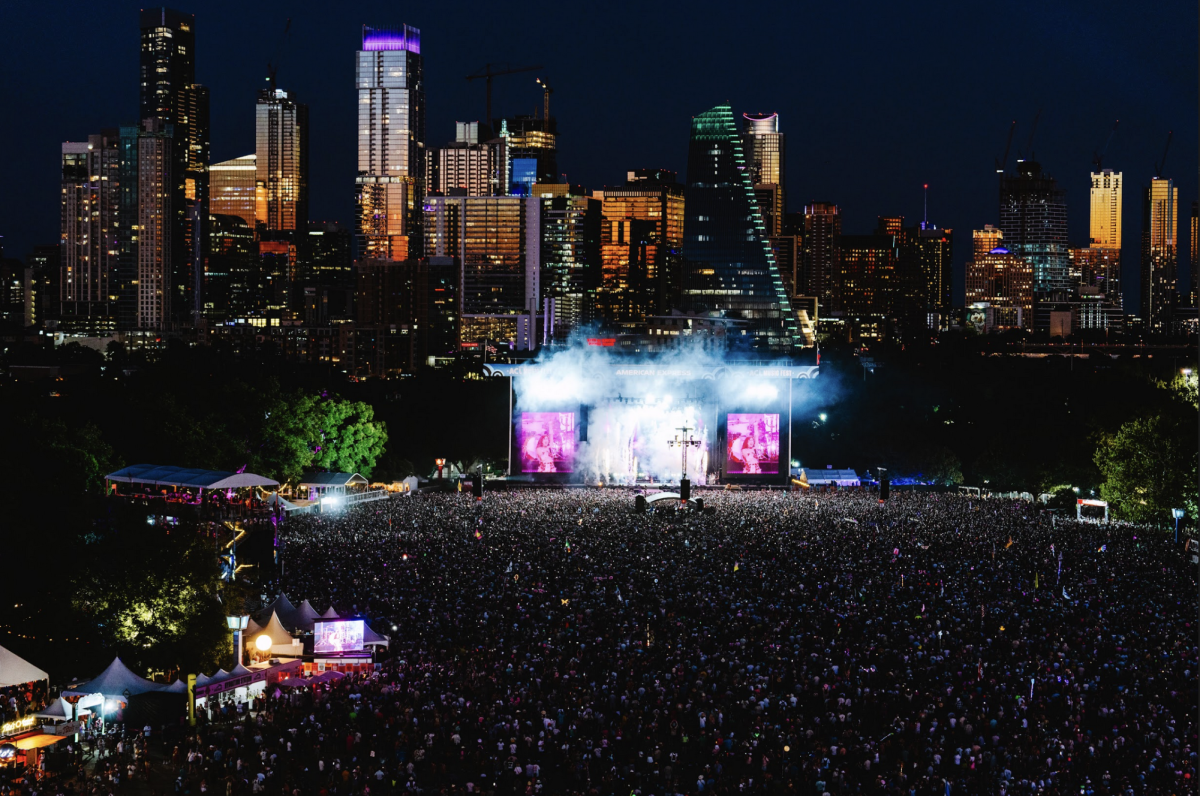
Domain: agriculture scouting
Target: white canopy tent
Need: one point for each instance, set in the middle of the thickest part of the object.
(15, 670)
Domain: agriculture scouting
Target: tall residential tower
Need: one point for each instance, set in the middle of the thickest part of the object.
(391, 143)
(1160, 219)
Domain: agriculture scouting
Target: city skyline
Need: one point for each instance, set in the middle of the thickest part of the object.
(836, 143)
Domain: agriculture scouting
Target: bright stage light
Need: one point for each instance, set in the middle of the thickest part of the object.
(823, 417)
(762, 392)
(262, 643)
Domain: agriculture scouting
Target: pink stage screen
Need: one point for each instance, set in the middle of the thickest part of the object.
(338, 637)
(547, 442)
(752, 444)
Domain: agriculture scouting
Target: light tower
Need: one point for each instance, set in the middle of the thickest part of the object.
(684, 441)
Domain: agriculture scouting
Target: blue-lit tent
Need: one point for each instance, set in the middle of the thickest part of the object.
(160, 475)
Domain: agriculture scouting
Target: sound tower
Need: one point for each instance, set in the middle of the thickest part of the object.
(583, 423)
(685, 489)
(477, 486)
(885, 488)
(639, 504)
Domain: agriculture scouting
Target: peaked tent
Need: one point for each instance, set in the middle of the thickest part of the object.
(179, 686)
(280, 605)
(60, 709)
(330, 614)
(15, 670)
(371, 637)
(306, 615)
(117, 682)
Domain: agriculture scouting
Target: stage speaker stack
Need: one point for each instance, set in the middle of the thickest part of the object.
(639, 504)
(477, 486)
(885, 489)
(699, 504)
(685, 489)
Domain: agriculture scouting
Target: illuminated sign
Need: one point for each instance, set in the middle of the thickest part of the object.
(604, 342)
(18, 726)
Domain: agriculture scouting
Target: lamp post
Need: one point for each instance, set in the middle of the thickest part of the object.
(1178, 514)
(236, 625)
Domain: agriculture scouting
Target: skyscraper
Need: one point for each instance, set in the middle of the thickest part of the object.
(1106, 209)
(169, 94)
(532, 146)
(1000, 279)
(234, 185)
(819, 252)
(1160, 218)
(497, 242)
(1033, 218)
(729, 267)
(570, 262)
(765, 153)
(148, 226)
(281, 149)
(475, 164)
(641, 240)
(926, 257)
(89, 246)
(391, 143)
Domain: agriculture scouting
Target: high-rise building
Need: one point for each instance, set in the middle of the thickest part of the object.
(1002, 280)
(765, 154)
(230, 257)
(391, 143)
(147, 227)
(1160, 219)
(819, 251)
(729, 266)
(475, 164)
(497, 242)
(327, 257)
(532, 151)
(1106, 209)
(868, 282)
(169, 94)
(570, 262)
(45, 277)
(641, 241)
(234, 189)
(89, 249)
(1098, 269)
(1033, 218)
(926, 258)
(281, 149)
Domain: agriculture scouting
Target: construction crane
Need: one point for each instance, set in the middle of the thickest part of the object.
(1028, 154)
(1158, 167)
(546, 99)
(487, 74)
(1000, 164)
(1098, 157)
(273, 64)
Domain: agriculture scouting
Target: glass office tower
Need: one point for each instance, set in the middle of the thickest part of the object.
(234, 186)
(765, 151)
(1160, 219)
(89, 252)
(729, 267)
(390, 186)
(1033, 218)
(281, 147)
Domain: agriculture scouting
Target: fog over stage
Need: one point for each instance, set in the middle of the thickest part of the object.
(586, 417)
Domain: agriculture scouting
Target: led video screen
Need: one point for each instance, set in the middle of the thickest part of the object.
(752, 444)
(547, 442)
(338, 638)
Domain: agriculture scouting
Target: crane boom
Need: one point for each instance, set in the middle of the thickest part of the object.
(1098, 157)
(273, 64)
(487, 74)
(1028, 155)
(1158, 167)
(1001, 164)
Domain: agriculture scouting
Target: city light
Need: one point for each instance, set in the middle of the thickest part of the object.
(262, 643)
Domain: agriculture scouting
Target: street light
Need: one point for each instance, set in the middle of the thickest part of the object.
(1178, 514)
(823, 417)
(237, 624)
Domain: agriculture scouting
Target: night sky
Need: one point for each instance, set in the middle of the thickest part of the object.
(875, 98)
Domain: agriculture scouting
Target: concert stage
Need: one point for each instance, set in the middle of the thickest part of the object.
(604, 421)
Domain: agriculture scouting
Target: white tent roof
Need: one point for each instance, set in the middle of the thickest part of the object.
(178, 687)
(280, 605)
(330, 614)
(60, 709)
(15, 670)
(116, 680)
(277, 631)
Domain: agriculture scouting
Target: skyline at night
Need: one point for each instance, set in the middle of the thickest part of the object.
(864, 137)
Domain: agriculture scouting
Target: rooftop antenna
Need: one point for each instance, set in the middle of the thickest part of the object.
(1158, 167)
(925, 223)
(1098, 157)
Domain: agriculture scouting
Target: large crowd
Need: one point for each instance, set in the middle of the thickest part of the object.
(558, 642)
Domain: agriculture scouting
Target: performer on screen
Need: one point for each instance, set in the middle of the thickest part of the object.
(744, 449)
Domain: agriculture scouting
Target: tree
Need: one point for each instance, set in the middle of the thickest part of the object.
(940, 465)
(152, 596)
(351, 440)
(1149, 467)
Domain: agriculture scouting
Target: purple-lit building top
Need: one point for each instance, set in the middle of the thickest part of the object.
(404, 37)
